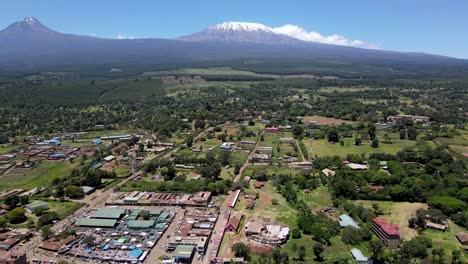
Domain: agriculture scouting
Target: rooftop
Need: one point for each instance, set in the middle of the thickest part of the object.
(390, 229)
(346, 220)
(184, 251)
(358, 256)
(89, 222)
(108, 213)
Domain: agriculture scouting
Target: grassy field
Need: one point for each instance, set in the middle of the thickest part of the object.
(7, 148)
(447, 240)
(63, 209)
(39, 176)
(323, 148)
(398, 213)
(208, 71)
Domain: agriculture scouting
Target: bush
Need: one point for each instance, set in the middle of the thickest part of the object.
(296, 233)
(241, 250)
(17, 215)
(448, 205)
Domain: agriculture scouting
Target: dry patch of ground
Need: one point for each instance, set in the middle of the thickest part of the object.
(325, 120)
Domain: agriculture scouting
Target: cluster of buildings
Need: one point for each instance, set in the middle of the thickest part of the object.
(193, 233)
(398, 119)
(118, 235)
(199, 199)
(12, 237)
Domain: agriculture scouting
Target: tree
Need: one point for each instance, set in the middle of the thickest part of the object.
(199, 124)
(402, 134)
(375, 142)
(318, 250)
(89, 241)
(47, 218)
(351, 235)
(3, 223)
(357, 141)
(412, 133)
(301, 253)
(377, 249)
(74, 192)
(251, 123)
(333, 136)
(46, 233)
(297, 131)
(17, 215)
(189, 141)
(24, 200)
(141, 147)
(225, 157)
(144, 214)
(12, 201)
(280, 257)
(241, 250)
(456, 257)
(371, 131)
(296, 233)
(387, 139)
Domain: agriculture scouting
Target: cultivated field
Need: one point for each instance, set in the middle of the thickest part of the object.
(325, 120)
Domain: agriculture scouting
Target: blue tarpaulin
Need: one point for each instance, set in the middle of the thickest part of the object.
(135, 253)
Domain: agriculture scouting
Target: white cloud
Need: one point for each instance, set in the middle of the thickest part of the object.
(335, 39)
(123, 36)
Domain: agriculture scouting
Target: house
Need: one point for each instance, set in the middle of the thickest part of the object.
(246, 180)
(462, 238)
(272, 130)
(376, 188)
(233, 224)
(388, 233)
(346, 220)
(36, 205)
(259, 185)
(227, 145)
(327, 172)
(356, 166)
(250, 204)
(260, 158)
(183, 254)
(87, 189)
(109, 158)
(359, 257)
(13, 258)
(55, 245)
(264, 150)
(399, 118)
(254, 228)
(435, 226)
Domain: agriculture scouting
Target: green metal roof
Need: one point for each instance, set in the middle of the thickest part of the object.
(183, 251)
(108, 213)
(37, 204)
(140, 224)
(90, 222)
(159, 226)
(163, 216)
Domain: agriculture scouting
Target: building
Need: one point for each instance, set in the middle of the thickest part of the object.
(36, 205)
(140, 224)
(11, 238)
(87, 189)
(346, 220)
(233, 224)
(327, 172)
(227, 145)
(183, 254)
(55, 245)
(108, 213)
(388, 233)
(462, 238)
(259, 185)
(98, 223)
(13, 258)
(109, 158)
(260, 158)
(254, 228)
(435, 226)
(399, 118)
(272, 130)
(359, 257)
(356, 166)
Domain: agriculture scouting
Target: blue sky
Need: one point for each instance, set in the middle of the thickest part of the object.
(431, 26)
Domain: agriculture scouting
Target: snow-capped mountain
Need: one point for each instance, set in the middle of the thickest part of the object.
(240, 32)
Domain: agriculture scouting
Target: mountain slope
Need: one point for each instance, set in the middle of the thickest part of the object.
(28, 46)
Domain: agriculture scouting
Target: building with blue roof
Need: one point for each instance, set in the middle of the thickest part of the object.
(346, 220)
